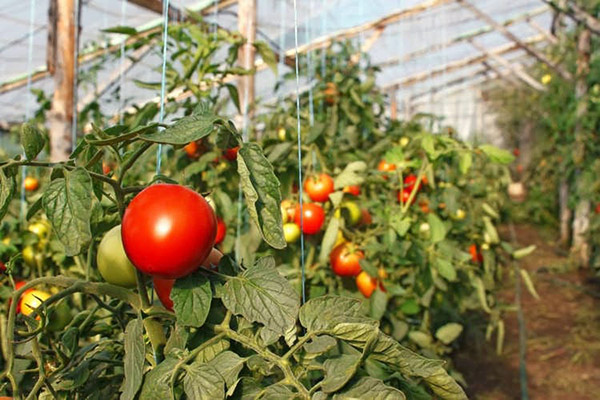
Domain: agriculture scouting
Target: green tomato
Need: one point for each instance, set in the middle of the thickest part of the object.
(281, 134)
(59, 316)
(113, 264)
(40, 229)
(291, 232)
(352, 212)
(31, 257)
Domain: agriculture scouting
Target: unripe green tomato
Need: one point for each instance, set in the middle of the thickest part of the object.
(460, 214)
(59, 316)
(291, 232)
(424, 227)
(30, 257)
(353, 212)
(404, 141)
(113, 264)
(281, 134)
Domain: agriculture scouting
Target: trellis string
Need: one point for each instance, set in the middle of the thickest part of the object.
(161, 114)
(309, 66)
(300, 191)
(23, 208)
(121, 63)
(75, 74)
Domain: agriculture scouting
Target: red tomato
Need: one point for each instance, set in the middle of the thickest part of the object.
(404, 195)
(168, 230)
(31, 184)
(597, 209)
(409, 181)
(366, 284)
(476, 256)
(385, 166)
(516, 152)
(353, 190)
(191, 149)
(312, 218)
(221, 231)
(163, 288)
(231, 154)
(365, 217)
(319, 187)
(106, 168)
(2, 267)
(345, 260)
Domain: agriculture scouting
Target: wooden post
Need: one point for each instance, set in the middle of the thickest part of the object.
(511, 36)
(393, 105)
(581, 222)
(61, 114)
(247, 27)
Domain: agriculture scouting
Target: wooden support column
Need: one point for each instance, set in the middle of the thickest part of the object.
(581, 222)
(551, 38)
(157, 7)
(393, 105)
(577, 13)
(247, 27)
(60, 116)
(509, 35)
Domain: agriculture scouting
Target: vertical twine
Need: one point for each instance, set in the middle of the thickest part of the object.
(161, 114)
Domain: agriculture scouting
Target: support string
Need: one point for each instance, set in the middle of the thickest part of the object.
(23, 210)
(282, 46)
(300, 191)
(309, 66)
(161, 114)
(121, 63)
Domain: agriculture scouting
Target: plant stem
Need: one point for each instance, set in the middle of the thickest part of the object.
(138, 153)
(298, 344)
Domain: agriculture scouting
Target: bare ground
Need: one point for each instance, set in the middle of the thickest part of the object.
(563, 333)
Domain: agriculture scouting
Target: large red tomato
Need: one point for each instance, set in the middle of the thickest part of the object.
(345, 260)
(319, 187)
(221, 231)
(168, 230)
(312, 217)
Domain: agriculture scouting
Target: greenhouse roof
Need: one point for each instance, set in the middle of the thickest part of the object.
(425, 47)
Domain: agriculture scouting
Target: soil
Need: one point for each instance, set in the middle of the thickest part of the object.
(563, 332)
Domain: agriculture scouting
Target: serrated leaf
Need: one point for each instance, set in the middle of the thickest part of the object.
(177, 340)
(157, 381)
(32, 140)
(203, 382)
(68, 204)
(428, 145)
(449, 332)
(192, 297)
(318, 314)
(7, 192)
(211, 351)
(497, 155)
(465, 161)
(338, 371)
(261, 190)
(228, 365)
(261, 294)
(395, 155)
(186, 130)
(421, 338)
(438, 229)
(372, 389)
(351, 175)
(329, 239)
(276, 392)
(445, 268)
(320, 344)
(234, 95)
(133, 362)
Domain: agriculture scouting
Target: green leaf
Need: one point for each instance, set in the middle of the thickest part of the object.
(338, 371)
(8, 187)
(351, 175)
(329, 239)
(68, 204)
(261, 189)
(133, 362)
(428, 145)
(449, 332)
(465, 161)
(423, 339)
(320, 344)
(356, 331)
(372, 389)
(276, 392)
(228, 365)
(399, 224)
(395, 155)
(267, 54)
(177, 340)
(203, 382)
(378, 304)
(187, 129)
(261, 294)
(157, 381)
(212, 350)
(445, 268)
(32, 140)
(235, 97)
(320, 313)
(497, 155)
(125, 30)
(524, 252)
(438, 229)
(191, 297)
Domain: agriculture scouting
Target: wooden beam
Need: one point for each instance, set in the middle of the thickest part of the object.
(61, 114)
(577, 13)
(462, 63)
(501, 73)
(461, 38)
(509, 35)
(246, 55)
(157, 7)
(367, 44)
(551, 38)
(91, 55)
(518, 72)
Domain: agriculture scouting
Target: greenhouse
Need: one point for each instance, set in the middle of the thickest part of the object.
(300, 199)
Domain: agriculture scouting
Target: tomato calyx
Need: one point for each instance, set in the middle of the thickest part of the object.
(319, 187)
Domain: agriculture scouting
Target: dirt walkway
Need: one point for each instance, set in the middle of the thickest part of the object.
(563, 335)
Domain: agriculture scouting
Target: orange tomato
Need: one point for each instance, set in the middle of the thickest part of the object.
(366, 284)
(353, 190)
(319, 187)
(31, 184)
(345, 260)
